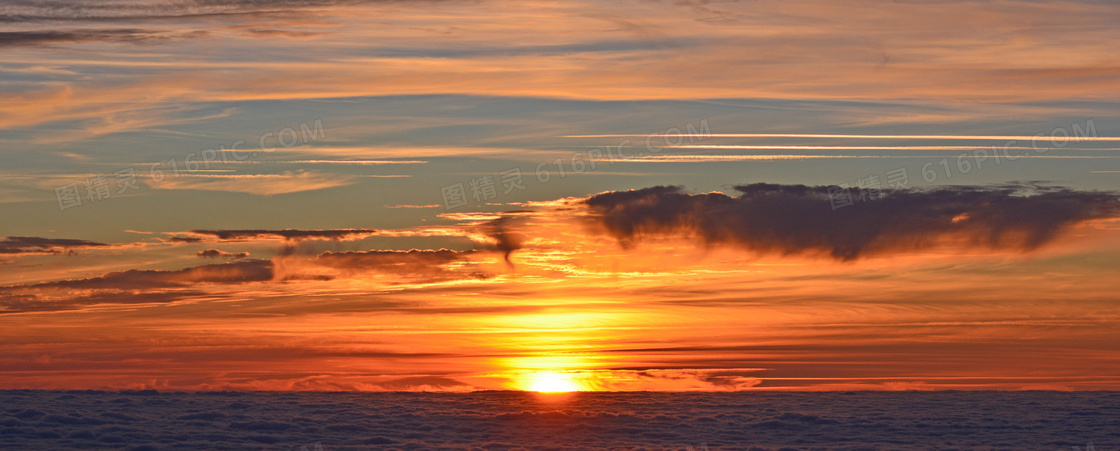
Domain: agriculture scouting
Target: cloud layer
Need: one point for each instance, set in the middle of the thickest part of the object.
(798, 219)
(227, 273)
(38, 245)
(415, 264)
(287, 234)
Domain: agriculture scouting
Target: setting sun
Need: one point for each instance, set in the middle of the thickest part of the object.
(551, 382)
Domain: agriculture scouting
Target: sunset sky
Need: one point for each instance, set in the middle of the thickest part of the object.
(554, 196)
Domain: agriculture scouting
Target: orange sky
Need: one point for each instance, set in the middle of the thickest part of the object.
(574, 308)
(200, 249)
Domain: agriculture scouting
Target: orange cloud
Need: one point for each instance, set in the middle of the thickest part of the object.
(578, 311)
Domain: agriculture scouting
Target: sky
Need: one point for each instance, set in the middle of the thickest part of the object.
(553, 196)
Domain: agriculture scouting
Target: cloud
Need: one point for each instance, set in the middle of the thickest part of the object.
(37, 245)
(18, 11)
(11, 302)
(32, 38)
(184, 239)
(426, 383)
(913, 51)
(288, 234)
(413, 206)
(132, 286)
(257, 184)
(429, 265)
(388, 258)
(214, 253)
(799, 219)
(505, 239)
(352, 162)
(290, 34)
(227, 273)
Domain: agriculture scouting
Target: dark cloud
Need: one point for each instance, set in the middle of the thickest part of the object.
(501, 230)
(227, 273)
(133, 286)
(215, 253)
(128, 287)
(799, 219)
(184, 239)
(158, 20)
(288, 234)
(30, 38)
(37, 245)
(31, 303)
(31, 11)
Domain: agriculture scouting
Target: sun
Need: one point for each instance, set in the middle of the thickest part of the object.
(551, 382)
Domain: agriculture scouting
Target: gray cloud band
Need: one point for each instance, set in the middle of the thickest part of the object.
(798, 219)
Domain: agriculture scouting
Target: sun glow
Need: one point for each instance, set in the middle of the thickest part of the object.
(552, 382)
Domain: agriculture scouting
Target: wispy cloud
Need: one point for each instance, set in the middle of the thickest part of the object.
(411, 206)
(887, 56)
(851, 136)
(32, 38)
(697, 158)
(355, 162)
(38, 245)
(416, 265)
(287, 234)
(241, 272)
(258, 184)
